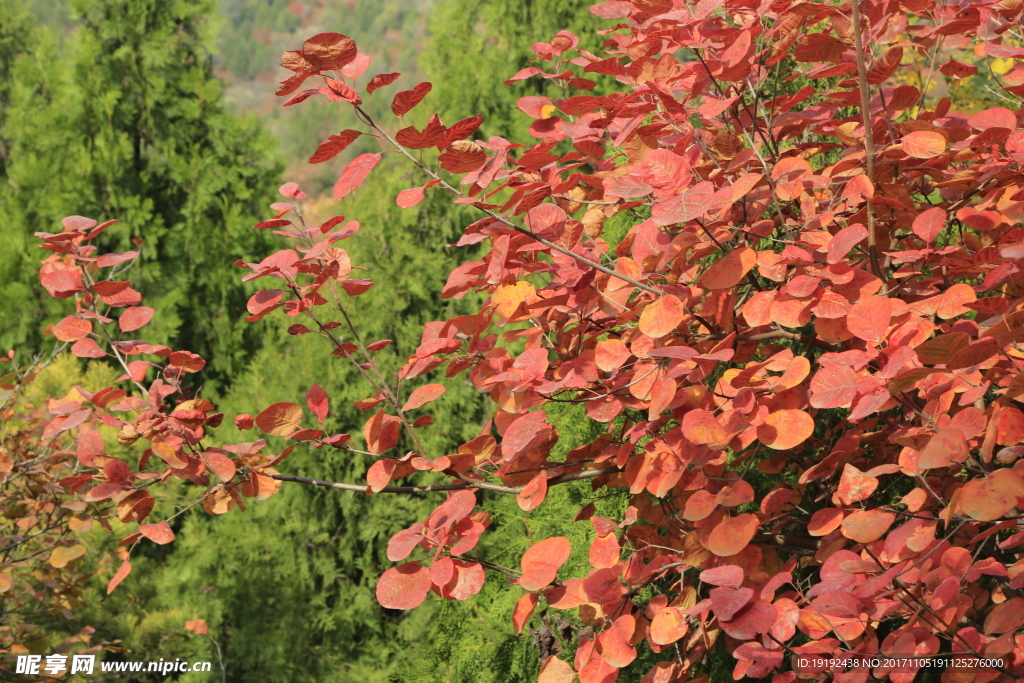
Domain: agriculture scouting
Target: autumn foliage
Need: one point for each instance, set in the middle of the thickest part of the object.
(803, 351)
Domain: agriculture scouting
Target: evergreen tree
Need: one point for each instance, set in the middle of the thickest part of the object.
(126, 122)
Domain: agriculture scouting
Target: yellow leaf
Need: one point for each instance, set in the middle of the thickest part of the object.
(60, 557)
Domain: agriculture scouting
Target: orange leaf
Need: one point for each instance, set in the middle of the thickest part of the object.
(869, 318)
(523, 610)
(865, 526)
(160, 533)
(280, 419)
(610, 354)
(923, 144)
(991, 497)
(554, 670)
(785, 429)
(541, 562)
(662, 316)
(72, 329)
(604, 552)
(732, 535)
(855, 486)
(119, 576)
(947, 447)
(197, 626)
(381, 432)
(729, 270)
(701, 427)
(379, 474)
(533, 493)
(668, 626)
(424, 395)
(824, 522)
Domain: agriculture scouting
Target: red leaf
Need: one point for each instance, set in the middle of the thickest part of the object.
(316, 400)
(929, 224)
(404, 542)
(356, 67)
(280, 419)
(187, 361)
(380, 80)
(604, 551)
(381, 432)
(272, 223)
(461, 130)
(845, 240)
(135, 317)
(379, 474)
(220, 464)
(726, 602)
(462, 156)
(72, 329)
(885, 66)
(833, 386)
(523, 610)
(869, 318)
(329, 51)
(335, 145)
(732, 535)
(404, 586)
(1005, 617)
(756, 618)
(160, 533)
(541, 562)
(411, 197)
(613, 644)
(424, 395)
(354, 174)
(119, 576)
(728, 575)
(533, 493)
(405, 100)
(87, 348)
(467, 581)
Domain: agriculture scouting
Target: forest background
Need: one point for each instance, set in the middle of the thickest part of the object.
(161, 113)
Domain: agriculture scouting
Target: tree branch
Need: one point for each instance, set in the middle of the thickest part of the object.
(561, 479)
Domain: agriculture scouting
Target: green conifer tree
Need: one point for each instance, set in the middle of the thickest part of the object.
(125, 121)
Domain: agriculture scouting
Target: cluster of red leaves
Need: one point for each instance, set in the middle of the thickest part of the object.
(831, 301)
(38, 524)
(804, 351)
